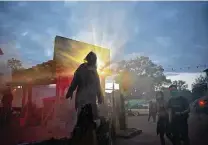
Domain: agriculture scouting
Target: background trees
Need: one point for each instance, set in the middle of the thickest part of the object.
(180, 84)
(145, 76)
(14, 64)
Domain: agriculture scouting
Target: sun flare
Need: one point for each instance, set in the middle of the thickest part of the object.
(69, 54)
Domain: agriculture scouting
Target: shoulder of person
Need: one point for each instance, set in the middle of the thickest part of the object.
(81, 68)
(83, 65)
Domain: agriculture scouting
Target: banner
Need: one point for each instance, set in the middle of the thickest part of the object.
(69, 54)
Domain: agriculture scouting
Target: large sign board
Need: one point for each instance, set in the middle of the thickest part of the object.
(69, 54)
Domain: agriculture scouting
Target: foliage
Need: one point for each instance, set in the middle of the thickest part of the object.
(183, 89)
(200, 80)
(186, 93)
(181, 85)
(14, 64)
(145, 75)
(199, 87)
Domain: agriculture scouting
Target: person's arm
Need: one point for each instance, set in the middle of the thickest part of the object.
(157, 107)
(99, 91)
(169, 110)
(73, 85)
(187, 107)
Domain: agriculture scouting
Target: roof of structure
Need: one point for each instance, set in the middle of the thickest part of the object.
(43, 73)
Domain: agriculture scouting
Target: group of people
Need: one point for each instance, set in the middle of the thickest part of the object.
(172, 117)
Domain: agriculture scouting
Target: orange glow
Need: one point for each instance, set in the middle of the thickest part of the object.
(14, 90)
(69, 54)
(202, 103)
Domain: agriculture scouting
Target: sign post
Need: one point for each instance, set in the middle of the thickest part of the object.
(125, 83)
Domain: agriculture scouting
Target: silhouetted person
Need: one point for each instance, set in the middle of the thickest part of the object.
(162, 116)
(7, 106)
(87, 83)
(178, 117)
(152, 111)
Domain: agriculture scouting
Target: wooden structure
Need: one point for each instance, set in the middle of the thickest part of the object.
(68, 54)
(41, 74)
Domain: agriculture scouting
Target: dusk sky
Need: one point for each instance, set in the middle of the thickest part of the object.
(172, 34)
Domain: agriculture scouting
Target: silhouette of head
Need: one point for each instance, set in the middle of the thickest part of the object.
(173, 90)
(91, 59)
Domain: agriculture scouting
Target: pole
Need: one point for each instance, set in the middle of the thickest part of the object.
(24, 96)
(113, 96)
(103, 87)
(122, 115)
(113, 119)
(57, 99)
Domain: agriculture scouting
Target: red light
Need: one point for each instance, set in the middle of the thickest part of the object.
(202, 103)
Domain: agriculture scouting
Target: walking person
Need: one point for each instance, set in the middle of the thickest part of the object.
(162, 123)
(162, 116)
(86, 82)
(152, 111)
(178, 107)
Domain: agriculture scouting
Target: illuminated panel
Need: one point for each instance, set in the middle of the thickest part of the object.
(69, 54)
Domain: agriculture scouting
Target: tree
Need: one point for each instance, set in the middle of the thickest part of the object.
(181, 85)
(200, 80)
(146, 76)
(14, 64)
(199, 87)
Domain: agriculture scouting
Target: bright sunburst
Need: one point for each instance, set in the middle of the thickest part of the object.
(69, 54)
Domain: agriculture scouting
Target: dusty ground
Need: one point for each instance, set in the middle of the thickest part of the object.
(198, 131)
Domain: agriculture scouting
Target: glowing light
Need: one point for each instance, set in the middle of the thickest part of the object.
(69, 54)
(109, 86)
(14, 90)
(202, 103)
(100, 65)
(52, 85)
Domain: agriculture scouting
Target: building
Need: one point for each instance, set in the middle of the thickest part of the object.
(206, 71)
